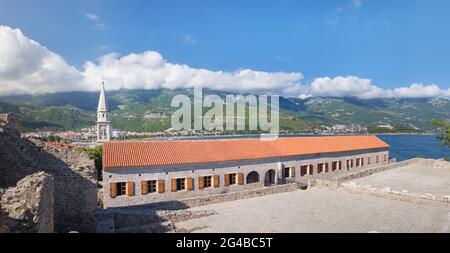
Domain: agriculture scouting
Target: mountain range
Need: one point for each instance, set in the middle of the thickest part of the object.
(150, 110)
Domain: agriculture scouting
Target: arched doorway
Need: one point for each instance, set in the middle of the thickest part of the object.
(269, 178)
(252, 177)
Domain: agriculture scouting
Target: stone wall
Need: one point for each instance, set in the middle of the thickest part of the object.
(335, 181)
(404, 195)
(28, 207)
(159, 217)
(74, 175)
(428, 198)
(218, 198)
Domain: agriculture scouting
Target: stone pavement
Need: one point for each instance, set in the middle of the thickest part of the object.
(319, 210)
(416, 178)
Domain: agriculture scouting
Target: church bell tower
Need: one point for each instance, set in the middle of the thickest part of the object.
(103, 123)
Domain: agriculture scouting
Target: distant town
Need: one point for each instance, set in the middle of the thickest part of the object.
(87, 136)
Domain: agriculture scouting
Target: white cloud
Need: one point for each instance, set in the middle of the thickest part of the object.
(96, 20)
(188, 39)
(364, 88)
(100, 26)
(358, 3)
(91, 17)
(150, 71)
(281, 58)
(26, 67)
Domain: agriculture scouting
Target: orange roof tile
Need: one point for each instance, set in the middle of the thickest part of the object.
(154, 153)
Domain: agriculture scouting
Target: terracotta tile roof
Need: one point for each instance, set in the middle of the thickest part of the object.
(58, 145)
(153, 153)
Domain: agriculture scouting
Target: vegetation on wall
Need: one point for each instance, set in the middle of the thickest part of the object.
(96, 154)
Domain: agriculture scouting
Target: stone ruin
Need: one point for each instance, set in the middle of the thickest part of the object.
(63, 194)
(28, 207)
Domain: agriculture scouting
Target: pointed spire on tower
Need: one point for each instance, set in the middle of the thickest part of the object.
(103, 123)
(102, 100)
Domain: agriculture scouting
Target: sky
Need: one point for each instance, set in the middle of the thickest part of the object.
(361, 48)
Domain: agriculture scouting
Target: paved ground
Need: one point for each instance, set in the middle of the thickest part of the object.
(320, 210)
(414, 178)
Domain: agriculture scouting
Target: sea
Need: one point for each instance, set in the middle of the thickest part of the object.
(403, 146)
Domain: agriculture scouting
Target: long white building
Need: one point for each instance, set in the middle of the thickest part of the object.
(144, 172)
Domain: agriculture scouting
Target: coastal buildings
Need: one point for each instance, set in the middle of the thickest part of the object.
(143, 172)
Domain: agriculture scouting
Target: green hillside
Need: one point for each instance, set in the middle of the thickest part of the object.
(150, 110)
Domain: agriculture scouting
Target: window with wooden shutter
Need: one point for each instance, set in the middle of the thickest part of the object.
(161, 187)
(320, 168)
(240, 177)
(303, 170)
(144, 187)
(311, 169)
(151, 186)
(200, 183)
(190, 184)
(226, 179)
(287, 172)
(113, 190)
(207, 181)
(216, 181)
(334, 165)
(130, 188)
(121, 188)
(173, 185)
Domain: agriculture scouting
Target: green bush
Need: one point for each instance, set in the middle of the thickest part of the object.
(54, 138)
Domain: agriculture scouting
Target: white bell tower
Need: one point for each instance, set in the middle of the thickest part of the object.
(103, 123)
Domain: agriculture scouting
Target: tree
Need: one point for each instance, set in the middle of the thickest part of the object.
(443, 127)
(54, 138)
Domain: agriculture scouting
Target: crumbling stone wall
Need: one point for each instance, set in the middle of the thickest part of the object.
(74, 174)
(28, 207)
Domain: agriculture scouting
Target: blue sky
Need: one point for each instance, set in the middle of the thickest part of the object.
(392, 43)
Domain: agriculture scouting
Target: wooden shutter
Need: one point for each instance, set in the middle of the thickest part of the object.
(130, 188)
(190, 184)
(326, 167)
(144, 187)
(200, 183)
(226, 179)
(113, 190)
(174, 185)
(216, 181)
(240, 178)
(292, 171)
(161, 186)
